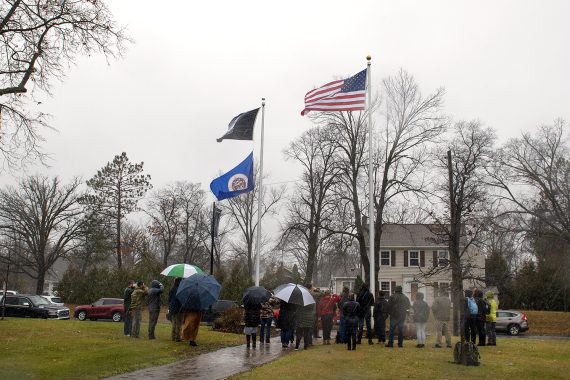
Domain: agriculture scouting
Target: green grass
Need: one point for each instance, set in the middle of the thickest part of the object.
(512, 358)
(44, 349)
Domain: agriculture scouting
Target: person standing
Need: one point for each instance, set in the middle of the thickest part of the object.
(153, 301)
(421, 315)
(341, 333)
(441, 309)
(304, 322)
(398, 306)
(266, 320)
(286, 322)
(482, 307)
(366, 300)
(138, 302)
(470, 311)
(351, 312)
(252, 319)
(325, 311)
(174, 310)
(127, 307)
(491, 319)
(380, 316)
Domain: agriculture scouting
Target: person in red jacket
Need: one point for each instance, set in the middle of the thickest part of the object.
(325, 311)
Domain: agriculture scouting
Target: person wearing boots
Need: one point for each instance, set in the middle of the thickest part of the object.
(366, 300)
(252, 318)
(153, 302)
(380, 316)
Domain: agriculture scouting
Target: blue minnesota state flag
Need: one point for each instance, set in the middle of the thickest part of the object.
(235, 182)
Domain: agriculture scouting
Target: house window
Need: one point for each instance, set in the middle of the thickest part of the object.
(443, 258)
(444, 286)
(385, 286)
(414, 259)
(385, 258)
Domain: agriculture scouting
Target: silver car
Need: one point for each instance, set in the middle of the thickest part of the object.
(511, 321)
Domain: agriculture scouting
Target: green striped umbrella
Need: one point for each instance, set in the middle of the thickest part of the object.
(181, 270)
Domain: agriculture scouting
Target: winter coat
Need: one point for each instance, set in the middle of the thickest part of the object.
(286, 318)
(365, 299)
(381, 309)
(351, 311)
(421, 309)
(327, 305)
(305, 316)
(343, 300)
(492, 316)
(127, 298)
(153, 299)
(481, 306)
(138, 298)
(174, 304)
(441, 308)
(252, 316)
(398, 306)
(267, 308)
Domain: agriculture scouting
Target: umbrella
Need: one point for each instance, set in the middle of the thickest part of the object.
(198, 291)
(294, 293)
(255, 295)
(181, 270)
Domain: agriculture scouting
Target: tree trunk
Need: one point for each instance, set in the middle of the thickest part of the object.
(40, 281)
(119, 258)
(312, 254)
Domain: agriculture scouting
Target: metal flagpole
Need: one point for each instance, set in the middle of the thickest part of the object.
(259, 196)
(372, 285)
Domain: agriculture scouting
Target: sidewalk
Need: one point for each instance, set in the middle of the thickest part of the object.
(213, 365)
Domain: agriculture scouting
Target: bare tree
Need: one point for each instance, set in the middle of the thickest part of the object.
(532, 176)
(312, 205)
(243, 212)
(40, 39)
(164, 212)
(44, 217)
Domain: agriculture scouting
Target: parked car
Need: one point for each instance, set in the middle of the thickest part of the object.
(103, 308)
(213, 312)
(511, 321)
(30, 306)
(54, 300)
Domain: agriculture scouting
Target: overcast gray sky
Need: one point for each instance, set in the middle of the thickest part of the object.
(195, 65)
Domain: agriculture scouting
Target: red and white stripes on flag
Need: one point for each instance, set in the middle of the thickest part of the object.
(341, 95)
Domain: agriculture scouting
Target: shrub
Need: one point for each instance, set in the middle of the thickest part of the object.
(230, 321)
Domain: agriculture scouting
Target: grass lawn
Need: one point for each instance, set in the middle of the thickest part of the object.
(511, 359)
(44, 349)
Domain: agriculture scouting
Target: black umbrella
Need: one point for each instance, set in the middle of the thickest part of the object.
(294, 293)
(198, 291)
(256, 295)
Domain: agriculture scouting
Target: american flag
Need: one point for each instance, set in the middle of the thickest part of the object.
(340, 95)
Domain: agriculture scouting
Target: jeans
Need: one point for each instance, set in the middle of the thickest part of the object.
(380, 328)
(265, 330)
(341, 334)
(152, 320)
(127, 323)
(491, 334)
(470, 328)
(327, 326)
(481, 331)
(361, 327)
(396, 324)
(286, 336)
(421, 332)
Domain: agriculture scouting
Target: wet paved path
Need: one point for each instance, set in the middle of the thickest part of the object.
(213, 365)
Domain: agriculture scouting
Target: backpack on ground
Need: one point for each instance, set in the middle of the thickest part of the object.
(473, 309)
(470, 354)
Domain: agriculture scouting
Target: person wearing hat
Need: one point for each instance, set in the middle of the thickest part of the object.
(398, 306)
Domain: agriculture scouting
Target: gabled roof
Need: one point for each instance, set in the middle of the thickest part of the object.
(411, 235)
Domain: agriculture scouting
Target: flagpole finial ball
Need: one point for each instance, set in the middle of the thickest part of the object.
(368, 57)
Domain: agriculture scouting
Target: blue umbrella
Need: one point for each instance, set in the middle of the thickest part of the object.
(198, 291)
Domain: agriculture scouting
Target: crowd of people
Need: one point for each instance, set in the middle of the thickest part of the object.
(301, 324)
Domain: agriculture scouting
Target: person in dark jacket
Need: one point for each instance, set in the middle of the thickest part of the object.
(366, 300)
(252, 319)
(380, 316)
(127, 307)
(341, 334)
(481, 316)
(441, 309)
(153, 301)
(304, 322)
(421, 315)
(351, 312)
(398, 306)
(286, 322)
(470, 311)
(174, 306)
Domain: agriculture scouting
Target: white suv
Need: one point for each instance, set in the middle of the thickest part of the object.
(54, 300)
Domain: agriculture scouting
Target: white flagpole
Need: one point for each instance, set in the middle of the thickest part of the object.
(372, 285)
(259, 196)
